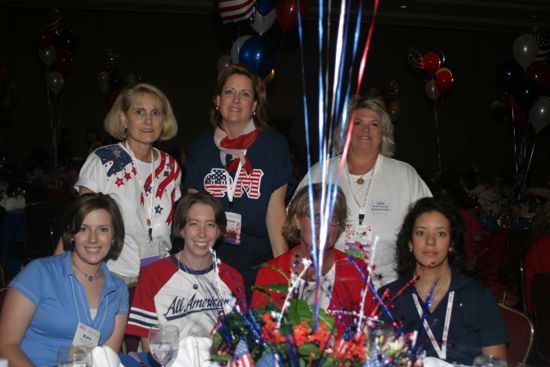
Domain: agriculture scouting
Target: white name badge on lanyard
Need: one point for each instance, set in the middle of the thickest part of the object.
(233, 228)
(86, 336)
(441, 350)
(358, 238)
(149, 252)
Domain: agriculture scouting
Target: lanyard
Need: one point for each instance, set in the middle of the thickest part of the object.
(232, 187)
(83, 304)
(441, 351)
(148, 202)
(354, 196)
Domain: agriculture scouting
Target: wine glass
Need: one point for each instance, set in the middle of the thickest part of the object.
(489, 361)
(164, 343)
(72, 356)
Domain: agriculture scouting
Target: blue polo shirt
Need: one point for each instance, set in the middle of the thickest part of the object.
(60, 300)
(476, 320)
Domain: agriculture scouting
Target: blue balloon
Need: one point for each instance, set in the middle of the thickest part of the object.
(527, 94)
(259, 55)
(509, 76)
(265, 6)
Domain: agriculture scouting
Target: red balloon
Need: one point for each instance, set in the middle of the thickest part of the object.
(431, 62)
(64, 62)
(287, 13)
(516, 113)
(43, 38)
(444, 80)
(540, 73)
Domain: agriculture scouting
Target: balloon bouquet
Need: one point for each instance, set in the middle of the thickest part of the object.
(439, 80)
(258, 52)
(109, 79)
(56, 50)
(526, 101)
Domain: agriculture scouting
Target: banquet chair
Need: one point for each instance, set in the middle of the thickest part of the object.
(518, 243)
(520, 332)
(540, 288)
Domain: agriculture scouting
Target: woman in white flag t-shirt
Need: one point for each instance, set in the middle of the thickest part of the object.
(378, 189)
(144, 181)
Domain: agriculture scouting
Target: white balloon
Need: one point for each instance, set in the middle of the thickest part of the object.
(236, 48)
(262, 23)
(539, 114)
(525, 50)
(431, 90)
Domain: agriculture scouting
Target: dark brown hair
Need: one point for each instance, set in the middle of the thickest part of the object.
(84, 205)
(182, 210)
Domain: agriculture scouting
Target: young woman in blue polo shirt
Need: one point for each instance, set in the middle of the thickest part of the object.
(72, 298)
(456, 317)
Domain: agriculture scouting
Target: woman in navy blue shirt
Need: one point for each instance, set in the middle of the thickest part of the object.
(457, 318)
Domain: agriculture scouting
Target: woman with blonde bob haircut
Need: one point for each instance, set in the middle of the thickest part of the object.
(246, 166)
(378, 188)
(113, 123)
(144, 181)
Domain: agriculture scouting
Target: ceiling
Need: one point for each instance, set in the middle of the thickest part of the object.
(509, 16)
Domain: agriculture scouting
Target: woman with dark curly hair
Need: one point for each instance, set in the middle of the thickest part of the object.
(457, 318)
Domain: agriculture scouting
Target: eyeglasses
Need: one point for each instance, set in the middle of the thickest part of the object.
(141, 114)
(333, 221)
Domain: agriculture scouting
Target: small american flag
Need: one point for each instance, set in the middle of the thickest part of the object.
(236, 10)
(241, 357)
(543, 43)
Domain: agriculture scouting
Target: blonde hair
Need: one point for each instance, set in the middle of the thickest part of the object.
(299, 208)
(387, 145)
(113, 124)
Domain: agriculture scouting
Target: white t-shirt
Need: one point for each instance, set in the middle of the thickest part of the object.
(392, 187)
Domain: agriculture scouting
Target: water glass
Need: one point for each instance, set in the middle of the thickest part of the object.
(72, 356)
(489, 361)
(164, 343)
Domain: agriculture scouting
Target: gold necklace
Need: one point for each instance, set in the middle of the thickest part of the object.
(90, 278)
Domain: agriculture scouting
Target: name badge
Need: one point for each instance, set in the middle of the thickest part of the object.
(233, 228)
(86, 336)
(149, 252)
(358, 239)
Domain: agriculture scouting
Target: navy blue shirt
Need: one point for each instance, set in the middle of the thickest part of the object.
(476, 320)
(271, 169)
